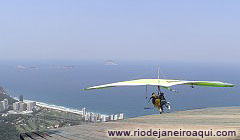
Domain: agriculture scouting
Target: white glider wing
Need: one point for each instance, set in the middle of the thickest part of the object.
(166, 83)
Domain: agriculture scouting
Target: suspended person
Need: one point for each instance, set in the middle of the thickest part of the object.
(153, 98)
(163, 101)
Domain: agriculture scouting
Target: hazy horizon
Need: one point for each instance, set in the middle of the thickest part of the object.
(63, 86)
(155, 31)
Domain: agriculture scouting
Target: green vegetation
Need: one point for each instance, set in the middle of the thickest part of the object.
(8, 129)
(8, 132)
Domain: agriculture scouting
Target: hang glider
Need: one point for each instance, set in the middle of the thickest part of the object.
(165, 83)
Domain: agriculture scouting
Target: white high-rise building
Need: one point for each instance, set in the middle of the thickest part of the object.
(16, 106)
(4, 105)
(111, 117)
(115, 117)
(121, 116)
(103, 118)
(5, 102)
(84, 111)
(98, 115)
(30, 106)
(93, 117)
(87, 116)
(22, 106)
(107, 118)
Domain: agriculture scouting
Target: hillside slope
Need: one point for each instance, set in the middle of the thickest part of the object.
(4, 95)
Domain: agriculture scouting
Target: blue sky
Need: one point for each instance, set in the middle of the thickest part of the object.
(123, 30)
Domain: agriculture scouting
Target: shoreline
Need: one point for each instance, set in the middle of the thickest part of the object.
(55, 107)
(60, 108)
(88, 116)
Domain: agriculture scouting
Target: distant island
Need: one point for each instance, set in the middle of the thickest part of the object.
(110, 63)
(20, 67)
(23, 67)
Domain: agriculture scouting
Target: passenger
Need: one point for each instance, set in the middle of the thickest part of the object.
(161, 97)
(154, 97)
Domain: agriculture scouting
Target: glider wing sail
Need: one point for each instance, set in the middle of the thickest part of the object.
(163, 83)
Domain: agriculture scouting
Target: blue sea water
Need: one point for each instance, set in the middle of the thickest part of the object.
(54, 84)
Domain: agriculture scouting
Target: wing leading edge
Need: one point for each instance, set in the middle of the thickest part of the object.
(162, 82)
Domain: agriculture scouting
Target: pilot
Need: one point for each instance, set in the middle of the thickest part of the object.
(163, 101)
(161, 97)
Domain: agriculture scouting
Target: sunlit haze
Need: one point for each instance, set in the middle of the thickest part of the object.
(187, 31)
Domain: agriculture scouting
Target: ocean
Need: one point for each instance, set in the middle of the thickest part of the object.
(62, 83)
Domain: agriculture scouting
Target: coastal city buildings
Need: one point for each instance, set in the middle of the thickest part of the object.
(5, 102)
(121, 116)
(26, 106)
(97, 117)
(30, 106)
(84, 111)
(22, 106)
(16, 106)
